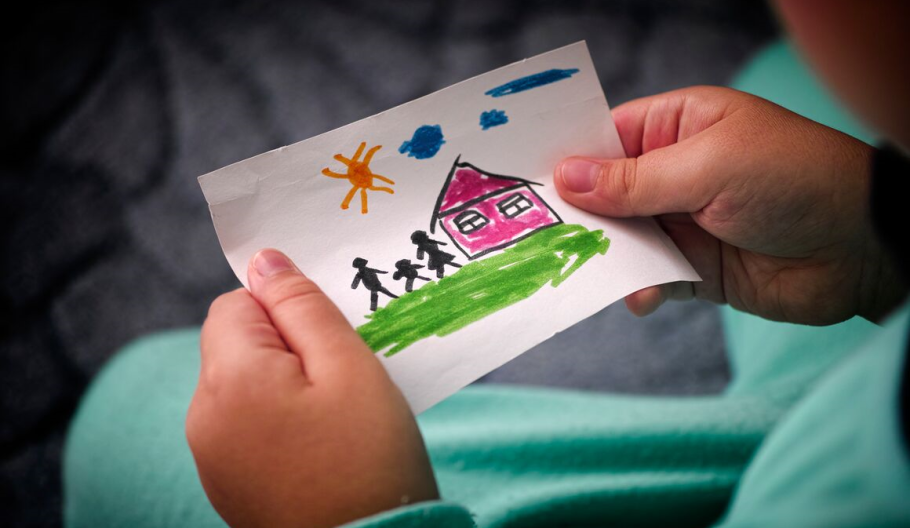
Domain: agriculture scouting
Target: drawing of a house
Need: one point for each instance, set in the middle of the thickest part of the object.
(483, 212)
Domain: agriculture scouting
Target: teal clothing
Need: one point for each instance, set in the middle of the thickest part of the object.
(837, 458)
(806, 434)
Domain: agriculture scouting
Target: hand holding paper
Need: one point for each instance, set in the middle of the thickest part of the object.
(294, 421)
(766, 205)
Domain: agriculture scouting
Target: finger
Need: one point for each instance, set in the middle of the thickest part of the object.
(702, 250)
(675, 161)
(662, 181)
(648, 123)
(308, 321)
(238, 339)
(646, 301)
(658, 121)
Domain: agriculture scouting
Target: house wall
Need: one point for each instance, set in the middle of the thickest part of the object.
(500, 230)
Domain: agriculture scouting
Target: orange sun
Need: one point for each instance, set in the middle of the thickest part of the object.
(360, 176)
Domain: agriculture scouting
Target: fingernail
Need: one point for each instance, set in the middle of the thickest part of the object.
(579, 175)
(268, 262)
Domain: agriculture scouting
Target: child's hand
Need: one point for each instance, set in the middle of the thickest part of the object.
(769, 207)
(294, 421)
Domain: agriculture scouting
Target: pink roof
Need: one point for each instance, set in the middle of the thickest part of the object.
(467, 184)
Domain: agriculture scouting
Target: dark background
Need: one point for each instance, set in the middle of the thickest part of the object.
(110, 112)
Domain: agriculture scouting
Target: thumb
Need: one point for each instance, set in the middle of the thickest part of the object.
(308, 321)
(673, 179)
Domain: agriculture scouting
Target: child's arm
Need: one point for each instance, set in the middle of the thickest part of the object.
(294, 421)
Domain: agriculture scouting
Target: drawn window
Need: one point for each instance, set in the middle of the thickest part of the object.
(470, 221)
(514, 205)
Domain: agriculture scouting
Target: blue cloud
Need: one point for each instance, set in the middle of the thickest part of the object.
(425, 143)
(493, 118)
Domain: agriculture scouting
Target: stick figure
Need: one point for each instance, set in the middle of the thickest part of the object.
(370, 279)
(407, 271)
(436, 258)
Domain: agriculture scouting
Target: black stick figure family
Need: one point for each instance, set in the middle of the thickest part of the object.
(437, 260)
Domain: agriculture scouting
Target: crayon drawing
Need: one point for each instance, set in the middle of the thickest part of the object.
(425, 143)
(482, 287)
(481, 213)
(493, 118)
(437, 259)
(530, 82)
(408, 271)
(360, 176)
(369, 277)
(462, 262)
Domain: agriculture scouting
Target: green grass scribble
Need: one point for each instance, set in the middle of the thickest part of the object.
(482, 287)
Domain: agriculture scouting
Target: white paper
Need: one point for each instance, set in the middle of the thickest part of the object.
(282, 199)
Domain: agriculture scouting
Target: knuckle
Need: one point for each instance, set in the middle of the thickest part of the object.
(219, 379)
(709, 92)
(627, 178)
(262, 333)
(617, 182)
(220, 312)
